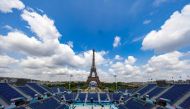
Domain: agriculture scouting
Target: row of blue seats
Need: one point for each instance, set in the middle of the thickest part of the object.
(132, 104)
(37, 88)
(62, 89)
(186, 103)
(93, 96)
(58, 90)
(7, 93)
(27, 90)
(54, 89)
(115, 96)
(70, 96)
(50, 103)
(103, 97)
(81, 97)
(176, 92)
(155, 91)
(146, 88)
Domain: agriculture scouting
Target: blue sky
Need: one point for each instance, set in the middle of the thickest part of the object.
(93, 24)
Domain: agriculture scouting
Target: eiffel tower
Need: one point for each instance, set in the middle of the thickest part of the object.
(93, 74)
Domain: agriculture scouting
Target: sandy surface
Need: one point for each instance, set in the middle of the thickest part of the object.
(90, 107)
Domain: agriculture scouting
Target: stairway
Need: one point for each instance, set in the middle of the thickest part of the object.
(23, 94)
(140, 89)
(150, 90)
(182, 99)
(86, 98)
(33, 89)
(58, 90)
(163, 92)
(99, 98)
(44, 88)
(3, 102)
(109, 99)
(77, 96)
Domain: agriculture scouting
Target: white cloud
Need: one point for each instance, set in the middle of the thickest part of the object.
(145, 22)
(56, 67)
(116, 42)
(17, 41)
(117, 57)
(6, 61)
(6, 6)
(70, 43)
(35, 64)
(168, 65)
(40, 10)
(136, 39)
(125, 67)
(8, 27)
(174, 33)
(130, 60)
(36, 61)
(48, 55)
(41, 25)
(45, 58)
(158, 2)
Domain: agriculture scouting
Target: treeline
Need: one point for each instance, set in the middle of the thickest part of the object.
(111, 87)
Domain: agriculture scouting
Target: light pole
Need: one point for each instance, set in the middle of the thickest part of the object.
(115, 82)
(70, 81)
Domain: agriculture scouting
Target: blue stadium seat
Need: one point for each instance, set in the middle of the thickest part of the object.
(131, 90)
(125, 97)
(115, 96)
(176, 92)
(122, 90)
(54, 90)
(59, 97)
(155, 91)
(146, 88)
(27, 91)
(37, 88)
(62, 89)
(81, 97)
(186, 104)
(7, 93)
(132, 104)
(93, 96)
(63, 106)
(121, 106)
(46, 104)
(69, 96)
(103, 97)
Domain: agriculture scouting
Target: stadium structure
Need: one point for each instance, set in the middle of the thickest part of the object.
(155, 95)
